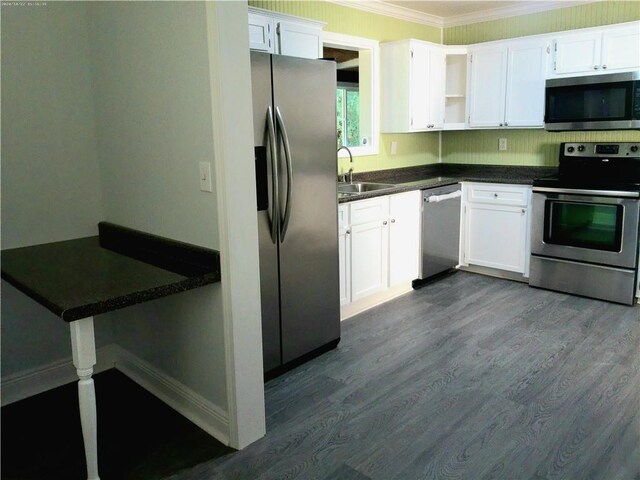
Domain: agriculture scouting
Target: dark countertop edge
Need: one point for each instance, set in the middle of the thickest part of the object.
(200, 266)
(431, 172)
(117, 303)
(141, 296)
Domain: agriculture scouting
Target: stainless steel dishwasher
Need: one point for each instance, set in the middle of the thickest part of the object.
(440, 229)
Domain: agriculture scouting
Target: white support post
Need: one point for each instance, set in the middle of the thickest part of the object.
(83, 347)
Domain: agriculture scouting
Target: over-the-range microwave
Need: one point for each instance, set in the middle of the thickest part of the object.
(596, 102)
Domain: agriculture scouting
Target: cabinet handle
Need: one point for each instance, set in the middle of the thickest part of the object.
(524, 211)
(393, 220)
(604, 67)
(501, 125)
(384, 223)
(506, 124)
(495, 195)
(595, 67)
(348, 232)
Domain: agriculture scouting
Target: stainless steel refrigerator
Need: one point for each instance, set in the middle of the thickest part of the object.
(294, 109)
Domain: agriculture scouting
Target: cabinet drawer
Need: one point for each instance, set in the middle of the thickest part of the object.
(370, 210)
(496, 194)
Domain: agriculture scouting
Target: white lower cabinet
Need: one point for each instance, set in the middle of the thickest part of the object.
(495, 226)
(344, 254)
(379, 244)
(404, 237)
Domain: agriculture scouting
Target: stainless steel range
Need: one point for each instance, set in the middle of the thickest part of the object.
(585, 223)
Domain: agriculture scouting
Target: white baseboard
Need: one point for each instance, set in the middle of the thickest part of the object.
(211, 418)
(206, 415)
(359, 306)
(31, 382)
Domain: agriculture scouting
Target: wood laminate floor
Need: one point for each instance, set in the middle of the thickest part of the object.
(471, 377)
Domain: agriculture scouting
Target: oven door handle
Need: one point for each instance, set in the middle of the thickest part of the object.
(579, 191)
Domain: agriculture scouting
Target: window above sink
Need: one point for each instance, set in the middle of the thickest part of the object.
(356, 98)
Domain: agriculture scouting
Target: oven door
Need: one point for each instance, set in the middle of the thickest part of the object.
(586, 228)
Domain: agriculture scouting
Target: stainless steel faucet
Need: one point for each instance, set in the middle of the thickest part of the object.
(350, 161)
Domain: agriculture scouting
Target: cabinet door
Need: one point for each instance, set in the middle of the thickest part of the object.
(526, 73)
(297, 40)
(418, 81)
(404, 237)
(437, 67)
(495, 236)
(344, 254)
(487, 92)
(577, 53)
(369, 258)
(621, 48)
(261, 33)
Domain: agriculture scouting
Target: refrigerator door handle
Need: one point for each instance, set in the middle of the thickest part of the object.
(287, 156)
(271, 133)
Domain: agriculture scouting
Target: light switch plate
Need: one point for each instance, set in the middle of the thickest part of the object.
(205, 177)
(502, 144)
(394, 147)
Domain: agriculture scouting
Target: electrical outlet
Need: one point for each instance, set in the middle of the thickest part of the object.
(205, 177)
(394, 147)
(502, 144)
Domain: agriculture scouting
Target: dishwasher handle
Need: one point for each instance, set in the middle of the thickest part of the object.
(440, 198)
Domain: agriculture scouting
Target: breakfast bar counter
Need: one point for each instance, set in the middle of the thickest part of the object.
(77, 279)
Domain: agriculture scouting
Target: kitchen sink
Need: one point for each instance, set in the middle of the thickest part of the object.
(362, 187)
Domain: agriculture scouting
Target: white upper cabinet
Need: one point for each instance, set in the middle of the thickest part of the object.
(261, 31)
(621, 48)
(577, 53)
(507, 84)
(412, 86)
(418, 87)
(284, 34)
(597, 50)
(455, 93)
(298, 39)
(526, 72)
(488, 76)
(437, 70)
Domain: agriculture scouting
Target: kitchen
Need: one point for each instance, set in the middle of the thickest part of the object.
(121, 198)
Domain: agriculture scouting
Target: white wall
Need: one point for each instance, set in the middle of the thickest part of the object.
(50, 173)
(145, 91)
(154, 117)
(154, 127)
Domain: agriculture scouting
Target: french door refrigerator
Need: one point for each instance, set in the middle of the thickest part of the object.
(294, 109)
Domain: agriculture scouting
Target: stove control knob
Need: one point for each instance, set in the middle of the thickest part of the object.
(581, 148)
(570, 149)
(634, 148)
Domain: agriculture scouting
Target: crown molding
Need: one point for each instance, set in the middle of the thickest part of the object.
(394, 11)
(402, 13)
(507, 12)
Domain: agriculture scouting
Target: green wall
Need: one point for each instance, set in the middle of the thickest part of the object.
(414, 148)
(530, 147)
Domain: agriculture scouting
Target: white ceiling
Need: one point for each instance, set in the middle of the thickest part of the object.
(454, 8)
(456, 12)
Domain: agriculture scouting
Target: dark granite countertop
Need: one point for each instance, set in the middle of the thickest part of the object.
(80, 278)
(441, 174)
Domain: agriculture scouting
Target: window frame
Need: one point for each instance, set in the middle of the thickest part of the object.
(338, 40)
